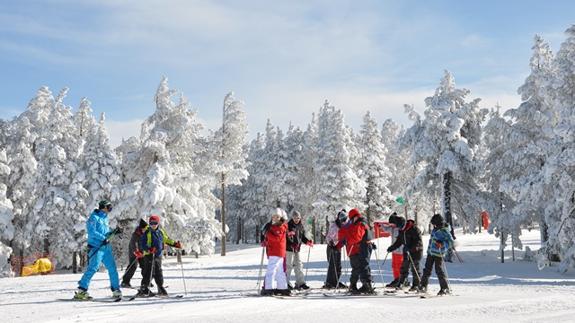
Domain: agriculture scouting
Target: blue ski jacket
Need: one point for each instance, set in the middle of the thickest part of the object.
(440, 240)
(98, 228)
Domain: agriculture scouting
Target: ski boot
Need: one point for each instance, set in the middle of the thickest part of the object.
(145, 292)
(413, 289)
(353, 289)
(302, 286)
(394, 283)
(82, 295)
(267, 292)
(341, 285)
(282, 292)
(290, 286)
(422, 289)
(367, 288)
(125, 285)
(444, 291)
(162, 291)
(116, 294)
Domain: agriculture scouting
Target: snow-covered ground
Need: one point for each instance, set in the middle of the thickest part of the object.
(485, 289)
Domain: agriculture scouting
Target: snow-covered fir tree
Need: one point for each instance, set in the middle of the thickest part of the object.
(448, 139)
(6, 217)
(373, 169)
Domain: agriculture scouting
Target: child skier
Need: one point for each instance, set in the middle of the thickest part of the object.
(99, 250)
(357, 237)
(275, 242)
(440, 240)
(410, 238)
(334, 254)
(132, 247)
(395, 224)
(295, 237)
(151, 247)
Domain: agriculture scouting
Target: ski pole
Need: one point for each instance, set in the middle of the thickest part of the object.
(307, 264)
(109, 238)
(152, 271)
(445, 272)
(130, 265)
(457, 255)
(182, 267)
(379, 267)
(413, 266)
(260, 272)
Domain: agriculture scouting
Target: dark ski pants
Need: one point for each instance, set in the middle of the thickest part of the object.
(333, 267)
(406, 266)
(360, 269)
(438, 262)
(156, 265)
(131, 270)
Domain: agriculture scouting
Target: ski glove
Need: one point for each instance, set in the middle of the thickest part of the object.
(153, 250)
(389, 249)
(105, 242)
(138, 254)
(309, 243)
(291, 233)
(178, 245)
(438, 245)
(263, 244)
(373, 246)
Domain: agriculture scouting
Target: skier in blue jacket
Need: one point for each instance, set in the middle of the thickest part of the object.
(99, 250)
(440, 240)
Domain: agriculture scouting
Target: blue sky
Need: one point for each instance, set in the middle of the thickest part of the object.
(283, 58)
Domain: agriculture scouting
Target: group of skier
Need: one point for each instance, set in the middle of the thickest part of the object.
(145, 249)
(282, 241)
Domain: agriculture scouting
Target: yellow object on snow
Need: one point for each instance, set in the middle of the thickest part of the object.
(40, 266)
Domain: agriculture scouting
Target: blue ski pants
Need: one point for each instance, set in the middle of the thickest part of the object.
(102, 255)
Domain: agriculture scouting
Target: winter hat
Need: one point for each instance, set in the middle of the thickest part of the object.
(103, 204)
(437, 219)
(393, 218)
(154, 219)
(353, 213)
(282, 214)
(342, 216)
(143, 224)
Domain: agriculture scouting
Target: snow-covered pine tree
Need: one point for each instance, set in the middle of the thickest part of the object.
(525, 148)
(6, 217)
(172, 173)
(446, 150)
(373, 169)
(341, 186)
(559, 170)
(61, 193)
(231, 138)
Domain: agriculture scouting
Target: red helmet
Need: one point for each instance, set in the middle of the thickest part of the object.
(154, 219)
(353, 213)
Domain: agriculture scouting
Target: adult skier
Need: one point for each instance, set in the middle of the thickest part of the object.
(357, 238)
(99, 251)
(275, 242)
(132, 247)
(440, 240)
(296, 235)
(151, 248)
(333, 277)
(410, 238)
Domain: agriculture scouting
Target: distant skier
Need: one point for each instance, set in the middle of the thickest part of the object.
(333, 278)
(410, 238)
(275, 242)
(357, 236)
(440, 240)
(132, 247)
(151, 247)
(99, 250)
(295, 237)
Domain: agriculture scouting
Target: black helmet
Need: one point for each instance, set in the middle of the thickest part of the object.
(104, 204)
(437, 220)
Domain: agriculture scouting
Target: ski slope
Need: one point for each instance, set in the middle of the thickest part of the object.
(217, 286)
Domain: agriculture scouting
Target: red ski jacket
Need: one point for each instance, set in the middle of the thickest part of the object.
(276, 240)
(353, 236)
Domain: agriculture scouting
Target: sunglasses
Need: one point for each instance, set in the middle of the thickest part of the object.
(153, 223)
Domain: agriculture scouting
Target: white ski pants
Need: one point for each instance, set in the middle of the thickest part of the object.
(275, 275)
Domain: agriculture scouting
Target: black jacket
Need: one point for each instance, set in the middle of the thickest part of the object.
(294, 242)
(410, 238)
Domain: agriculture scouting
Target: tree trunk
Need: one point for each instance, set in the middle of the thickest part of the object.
(502, 247)
(239, 230)
(447, 177)
(75, 262)
(223, 214)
